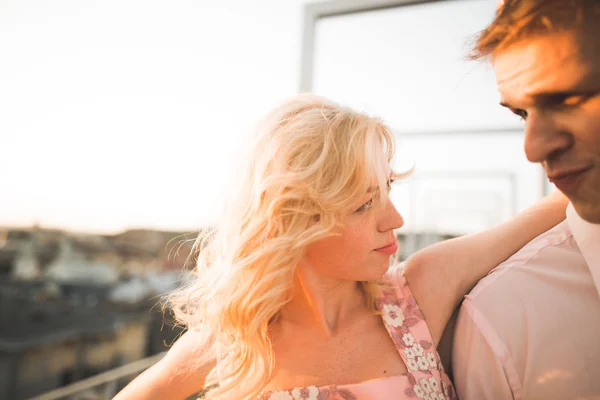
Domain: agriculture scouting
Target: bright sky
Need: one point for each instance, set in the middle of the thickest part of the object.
(120, 114)
(128, 113)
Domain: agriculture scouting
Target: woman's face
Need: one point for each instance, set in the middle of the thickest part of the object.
(362, 250)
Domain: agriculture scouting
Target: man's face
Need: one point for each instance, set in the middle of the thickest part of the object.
(553, 83)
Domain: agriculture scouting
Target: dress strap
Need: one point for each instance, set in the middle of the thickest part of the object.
(406, 325)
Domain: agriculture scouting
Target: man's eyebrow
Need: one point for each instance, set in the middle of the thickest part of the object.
(551, 97)
(559, 97)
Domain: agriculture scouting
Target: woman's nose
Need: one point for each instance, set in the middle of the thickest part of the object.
(391, 218)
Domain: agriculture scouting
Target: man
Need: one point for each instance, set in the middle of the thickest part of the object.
(531, 328)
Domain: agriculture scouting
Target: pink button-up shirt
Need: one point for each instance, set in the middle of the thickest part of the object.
(531, 328)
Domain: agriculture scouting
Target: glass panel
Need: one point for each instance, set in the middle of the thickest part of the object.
(464, 182)
(408, 64)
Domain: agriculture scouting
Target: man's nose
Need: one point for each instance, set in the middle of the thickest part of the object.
(544, 137)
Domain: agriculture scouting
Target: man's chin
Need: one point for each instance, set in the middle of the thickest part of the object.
(588, 212)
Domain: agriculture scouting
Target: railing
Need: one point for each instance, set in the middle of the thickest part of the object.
(101, 386)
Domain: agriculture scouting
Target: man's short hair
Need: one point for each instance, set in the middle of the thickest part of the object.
(519, 19)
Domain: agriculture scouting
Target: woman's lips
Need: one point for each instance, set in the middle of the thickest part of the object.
(390, 249)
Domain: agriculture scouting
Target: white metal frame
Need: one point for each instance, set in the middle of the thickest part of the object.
(313, 12)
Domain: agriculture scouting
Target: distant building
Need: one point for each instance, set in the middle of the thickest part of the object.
(52, 336)
(91, 259)
(72, 306)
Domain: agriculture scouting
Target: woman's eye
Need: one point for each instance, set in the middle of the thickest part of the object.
(365, 206)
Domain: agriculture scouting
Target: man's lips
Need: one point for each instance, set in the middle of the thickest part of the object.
(561, 174)
(567, 180)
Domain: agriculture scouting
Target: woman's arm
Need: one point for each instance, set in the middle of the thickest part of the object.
(440, 275)
(176, 376)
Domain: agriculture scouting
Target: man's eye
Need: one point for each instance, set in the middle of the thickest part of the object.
(574, 100)
(365, 206)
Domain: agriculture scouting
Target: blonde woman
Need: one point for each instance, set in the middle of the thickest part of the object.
(294, 298)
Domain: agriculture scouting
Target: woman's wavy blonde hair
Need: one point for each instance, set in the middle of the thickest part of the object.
(308, 163)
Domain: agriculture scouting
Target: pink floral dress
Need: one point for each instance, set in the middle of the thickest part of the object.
(408, 330)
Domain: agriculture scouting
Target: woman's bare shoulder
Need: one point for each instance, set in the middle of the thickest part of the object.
(177, 375)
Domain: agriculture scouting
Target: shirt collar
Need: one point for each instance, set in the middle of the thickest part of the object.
(587, 236)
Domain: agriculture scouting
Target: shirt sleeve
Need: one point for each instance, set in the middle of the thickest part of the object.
(481, 364)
